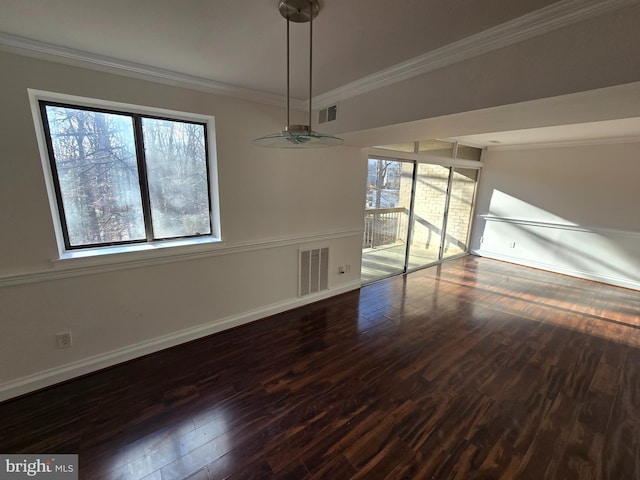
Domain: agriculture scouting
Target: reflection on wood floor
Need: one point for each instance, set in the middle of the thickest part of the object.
(387, 260)
(471, 369)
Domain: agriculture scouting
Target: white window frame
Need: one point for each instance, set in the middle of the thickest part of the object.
(107, 254)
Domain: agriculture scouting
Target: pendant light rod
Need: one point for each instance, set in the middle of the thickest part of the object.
(298, 136)
(310, 59)
(288, 81)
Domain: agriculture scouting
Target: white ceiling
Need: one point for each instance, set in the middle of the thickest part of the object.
(241, 43)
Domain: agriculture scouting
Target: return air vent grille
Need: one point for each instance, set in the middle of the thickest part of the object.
(314, 271)
(328, 114)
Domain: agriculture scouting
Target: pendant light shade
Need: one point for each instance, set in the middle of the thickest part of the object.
(299, 136)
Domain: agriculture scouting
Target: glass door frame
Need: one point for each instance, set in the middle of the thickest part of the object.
(448, 162)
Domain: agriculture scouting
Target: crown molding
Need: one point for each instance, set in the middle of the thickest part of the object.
(78, 58)
(539, 22)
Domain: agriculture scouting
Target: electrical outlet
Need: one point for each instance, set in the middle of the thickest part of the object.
(341, 270)
(64, 340)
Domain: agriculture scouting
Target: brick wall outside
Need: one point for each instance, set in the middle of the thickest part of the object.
(430, 204)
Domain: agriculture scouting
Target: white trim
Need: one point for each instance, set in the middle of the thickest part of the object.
(75, 267)
(79, 58)
(558, 226)
(62, 373)
(597, 277)
(539, 22)
(566, 143)
(212, 162)
(35, 95)
(536, 23)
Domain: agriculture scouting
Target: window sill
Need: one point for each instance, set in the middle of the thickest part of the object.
(137, 254)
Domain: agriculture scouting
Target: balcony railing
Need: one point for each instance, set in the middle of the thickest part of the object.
(384, 226)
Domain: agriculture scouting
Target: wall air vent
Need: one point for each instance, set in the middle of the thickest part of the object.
(328, 114)
(313, 271)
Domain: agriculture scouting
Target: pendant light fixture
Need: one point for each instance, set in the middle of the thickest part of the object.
(298, 136)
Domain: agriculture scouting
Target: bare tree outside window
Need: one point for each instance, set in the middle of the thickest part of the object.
(126, 178)
(383, 183)
(177, 173)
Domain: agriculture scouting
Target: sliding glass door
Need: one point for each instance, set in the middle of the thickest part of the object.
(429, 207)
(386, 218)
(417, 213)
(463, 187)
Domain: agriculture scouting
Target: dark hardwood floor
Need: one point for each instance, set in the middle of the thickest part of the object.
(473, 369)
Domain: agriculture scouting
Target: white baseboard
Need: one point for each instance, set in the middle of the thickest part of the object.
(72, 370)
(615, 281)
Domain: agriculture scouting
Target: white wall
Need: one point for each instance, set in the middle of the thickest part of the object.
(272, 203)
(597, 53)
(571, 209)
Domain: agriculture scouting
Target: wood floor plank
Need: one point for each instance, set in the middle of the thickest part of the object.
(622, 441)
(473, 369)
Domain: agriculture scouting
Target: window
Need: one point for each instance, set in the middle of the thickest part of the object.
(419, 206)
(123, 178)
